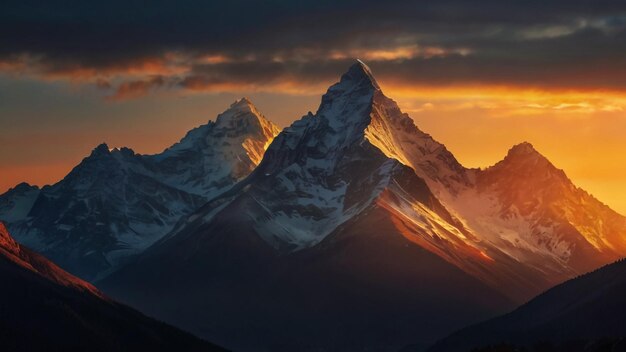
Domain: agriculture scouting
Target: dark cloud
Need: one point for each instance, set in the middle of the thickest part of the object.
(135, 89)
(204, 44)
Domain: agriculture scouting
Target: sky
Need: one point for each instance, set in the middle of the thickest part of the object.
(479, 76)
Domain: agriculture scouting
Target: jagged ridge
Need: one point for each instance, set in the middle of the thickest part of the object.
(117, 203)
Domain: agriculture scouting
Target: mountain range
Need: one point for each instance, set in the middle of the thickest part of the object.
(351, 229)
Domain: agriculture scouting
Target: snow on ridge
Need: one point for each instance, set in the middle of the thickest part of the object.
(127, 201)
(353, 115)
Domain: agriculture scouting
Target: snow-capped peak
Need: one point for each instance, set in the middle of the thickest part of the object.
(396, 135)
(354, 111)
(360, 73)
(240, 115)
(243, 103)
(212, 156)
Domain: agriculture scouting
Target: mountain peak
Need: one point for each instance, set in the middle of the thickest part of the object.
(359, 73)
(23, 187)
(243, 103)
(241, 111)
(524, 148)
(525, 152)
(242, 125)
(524, 162)
(101, 149)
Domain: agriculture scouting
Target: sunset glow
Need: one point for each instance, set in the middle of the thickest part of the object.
(478, 87)
(582, 131)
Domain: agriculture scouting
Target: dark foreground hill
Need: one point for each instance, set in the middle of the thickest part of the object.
(43, 308)
(584, 314)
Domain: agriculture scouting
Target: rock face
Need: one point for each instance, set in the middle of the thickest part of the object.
(583, 314)
(116, 203)
(45, 308)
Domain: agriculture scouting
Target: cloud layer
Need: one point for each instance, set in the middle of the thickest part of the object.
(129, 48)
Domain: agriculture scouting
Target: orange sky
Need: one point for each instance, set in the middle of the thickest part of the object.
(581, 132)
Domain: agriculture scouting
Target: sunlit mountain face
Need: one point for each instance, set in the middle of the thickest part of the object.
(312, 175)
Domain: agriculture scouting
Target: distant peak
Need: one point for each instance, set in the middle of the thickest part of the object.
(101, 149)
(359, 72)
(24, 186)
(241, 110)
(524, 148)
(242, 103)
(525, 153)
(123, 150)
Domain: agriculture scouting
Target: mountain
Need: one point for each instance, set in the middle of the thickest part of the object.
(43, 308)
(212, 157)
(332, 243)
(530, 210)
(116, 203)
(583, 314)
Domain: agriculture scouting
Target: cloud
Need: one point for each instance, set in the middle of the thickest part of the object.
(135, 89)
(299, 46)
